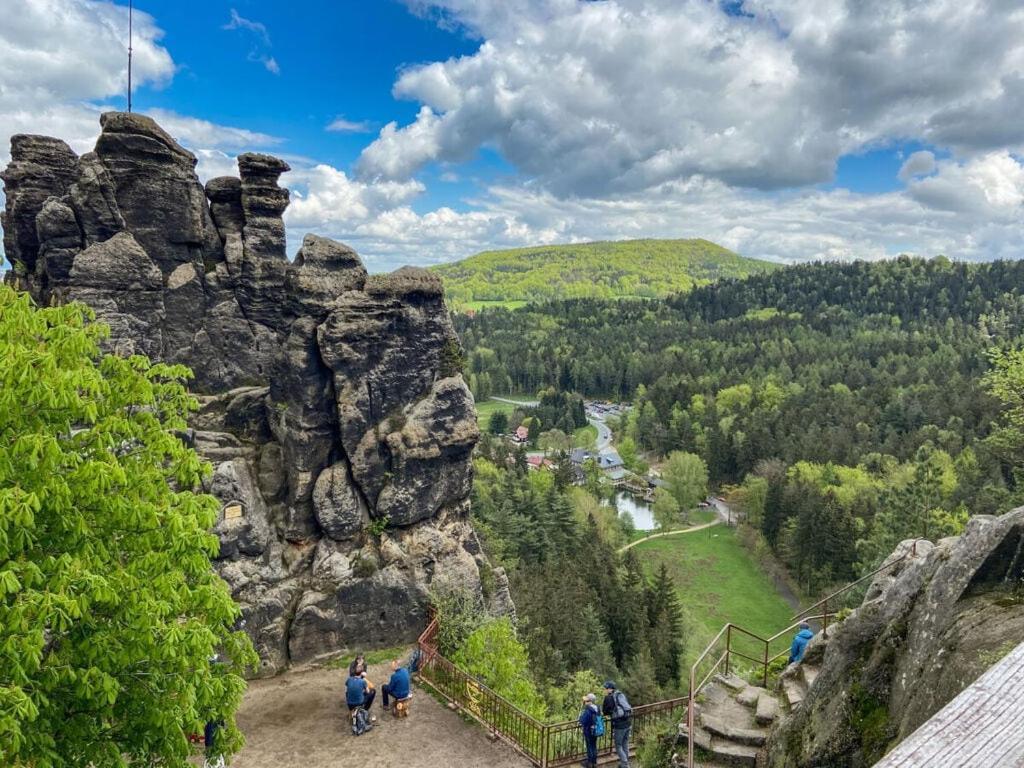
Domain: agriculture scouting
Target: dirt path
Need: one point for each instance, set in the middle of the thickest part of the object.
(692, 529)
(299, 719)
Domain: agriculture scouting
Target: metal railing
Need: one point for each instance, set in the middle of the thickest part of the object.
(544, 744)
(751, 647)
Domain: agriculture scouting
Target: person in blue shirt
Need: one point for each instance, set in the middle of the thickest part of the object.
(588, 724)
(803, 637)
(359, 692)
(398, 686)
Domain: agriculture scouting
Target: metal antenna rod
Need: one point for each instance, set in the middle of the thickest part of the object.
(131, 10)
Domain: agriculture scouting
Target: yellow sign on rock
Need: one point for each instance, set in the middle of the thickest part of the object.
(233, 511)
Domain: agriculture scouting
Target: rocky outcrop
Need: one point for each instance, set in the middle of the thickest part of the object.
(926, 630)
(332, 406)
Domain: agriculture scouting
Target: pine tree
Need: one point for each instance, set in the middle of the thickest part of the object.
(665, 622)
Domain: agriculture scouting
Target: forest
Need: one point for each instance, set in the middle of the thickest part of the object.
(626, 268)
(843, 406)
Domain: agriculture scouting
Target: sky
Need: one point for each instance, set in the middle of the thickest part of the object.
(423, 131)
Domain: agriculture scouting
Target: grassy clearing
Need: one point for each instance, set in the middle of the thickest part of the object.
(717, 582)
(487, 407)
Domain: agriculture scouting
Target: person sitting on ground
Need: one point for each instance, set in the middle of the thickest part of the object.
(359, 692)
(358, 666)
(398, 686)
(803, 637)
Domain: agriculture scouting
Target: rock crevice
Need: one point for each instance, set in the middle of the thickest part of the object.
(340, 431)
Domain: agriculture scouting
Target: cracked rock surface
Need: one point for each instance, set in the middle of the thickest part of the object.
(332, 405)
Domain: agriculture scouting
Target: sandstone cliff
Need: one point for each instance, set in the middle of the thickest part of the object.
(926, 630)
(332, 404)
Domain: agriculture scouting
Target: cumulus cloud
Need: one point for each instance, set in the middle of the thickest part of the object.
(608, 98)
(57, 56)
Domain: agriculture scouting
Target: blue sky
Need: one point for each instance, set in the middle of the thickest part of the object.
(425, 130)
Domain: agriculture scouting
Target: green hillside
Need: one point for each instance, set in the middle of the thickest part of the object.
(627, 268)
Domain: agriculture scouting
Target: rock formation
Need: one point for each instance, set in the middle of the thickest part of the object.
(333, 409)
(926, 630)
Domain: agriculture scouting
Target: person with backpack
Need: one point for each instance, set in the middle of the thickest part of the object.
(592, 725)
(618, 708)
(359, 694)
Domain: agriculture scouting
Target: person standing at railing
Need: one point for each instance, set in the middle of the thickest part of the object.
(803, 637)
(592, 725)
(618, 708)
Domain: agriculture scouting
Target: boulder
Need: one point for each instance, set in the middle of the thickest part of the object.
(922, 634)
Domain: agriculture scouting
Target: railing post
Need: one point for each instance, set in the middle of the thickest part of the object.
(824, 621)
(728, 648)
(544, 741)
(765, 668)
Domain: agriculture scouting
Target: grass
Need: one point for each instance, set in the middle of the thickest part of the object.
(717, 582)
(485, 409)
(379, 656)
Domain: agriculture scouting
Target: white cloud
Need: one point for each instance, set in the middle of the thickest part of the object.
(608, 98)
(260, 51)
(202, 133)
(920, 163)
(342, 125)
(57, 56)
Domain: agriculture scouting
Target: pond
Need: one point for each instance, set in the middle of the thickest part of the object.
(638, 509)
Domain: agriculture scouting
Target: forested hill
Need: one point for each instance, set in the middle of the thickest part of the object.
(824, 362)
(628, 268)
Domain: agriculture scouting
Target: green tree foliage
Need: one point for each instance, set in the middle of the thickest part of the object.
(110, 611)
(687, 478)
(493, 653)
(498, 423)
(666, 510)
(629, 268)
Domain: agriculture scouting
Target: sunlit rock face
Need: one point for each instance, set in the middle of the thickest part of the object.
(331, 401)
(927, 629)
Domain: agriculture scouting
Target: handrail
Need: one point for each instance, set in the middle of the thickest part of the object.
(799, 618)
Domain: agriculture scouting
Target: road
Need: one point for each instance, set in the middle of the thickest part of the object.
(604, 433)
(524, 403)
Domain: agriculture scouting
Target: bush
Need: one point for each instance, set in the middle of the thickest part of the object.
(493, 653)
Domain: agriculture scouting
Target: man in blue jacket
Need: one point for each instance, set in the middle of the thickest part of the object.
(398, 686)
(359, 692)
(803, 637)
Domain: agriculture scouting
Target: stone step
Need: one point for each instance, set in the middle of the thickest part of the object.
(749, 696)
(767, 709)
(734, 754)
(809, 673)
(701, 738)
(724, 730)
(793, 692)
(733, 682)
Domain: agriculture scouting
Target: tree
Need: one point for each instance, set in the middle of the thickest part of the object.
(687, 478)
(665, 617)
(110, 611)
(665, 509)
(498, 423)
(494, 654)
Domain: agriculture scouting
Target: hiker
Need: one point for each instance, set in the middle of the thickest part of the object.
(398, 686)
(803, 637)
(592, 725)
(618, 708)
(358, 666)
(359, 692)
